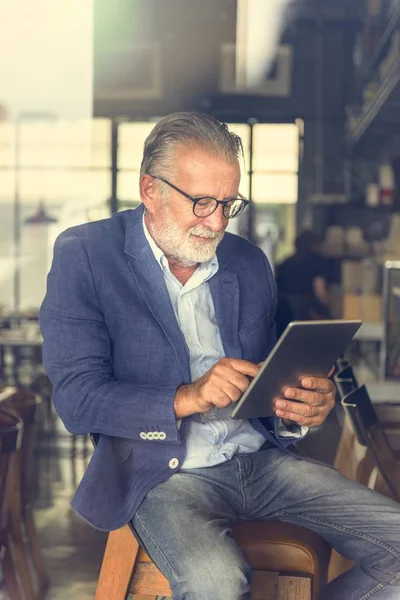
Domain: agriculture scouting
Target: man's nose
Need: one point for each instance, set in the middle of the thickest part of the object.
(216, 221)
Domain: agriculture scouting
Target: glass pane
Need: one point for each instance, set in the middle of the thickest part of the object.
(7, 152)
(65, 186)
(128, 185)
(275, 147)
(7, 186)
(131, 138)
(275, 226)
(275, 189)
(243, 130)
(7, 261)
(62, 143)
(244, 185)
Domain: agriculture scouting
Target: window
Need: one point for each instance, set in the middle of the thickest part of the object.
(131, 138)
(275, 163)
(63, 164)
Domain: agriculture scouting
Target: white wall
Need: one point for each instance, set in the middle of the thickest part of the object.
(46, 57)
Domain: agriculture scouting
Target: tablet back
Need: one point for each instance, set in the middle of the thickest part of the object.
(306, 348)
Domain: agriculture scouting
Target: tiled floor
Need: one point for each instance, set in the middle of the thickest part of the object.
(72, 550)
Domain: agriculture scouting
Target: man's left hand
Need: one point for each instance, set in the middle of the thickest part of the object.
(316, 402)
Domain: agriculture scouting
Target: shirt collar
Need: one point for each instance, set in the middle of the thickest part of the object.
(207, 269)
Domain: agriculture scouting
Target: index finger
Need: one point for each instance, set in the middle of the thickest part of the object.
(244, 366)
(319, 384)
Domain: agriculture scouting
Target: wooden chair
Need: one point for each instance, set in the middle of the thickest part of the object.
(10, 438)
(41, 386)
(371, 434)
(289, 562)
(27, 406)
(345, 380)
(389, 418)
(365, 454)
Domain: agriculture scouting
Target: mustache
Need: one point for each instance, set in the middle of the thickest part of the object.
(205, 232)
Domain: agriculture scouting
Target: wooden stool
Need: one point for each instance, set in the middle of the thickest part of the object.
(288, 562)
(366, 462)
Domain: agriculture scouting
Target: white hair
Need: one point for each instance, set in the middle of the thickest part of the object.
(191, 129)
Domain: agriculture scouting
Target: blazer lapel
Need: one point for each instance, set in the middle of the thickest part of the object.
(149, 278)
(224, 288)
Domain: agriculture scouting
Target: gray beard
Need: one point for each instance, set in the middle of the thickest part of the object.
(181, 246)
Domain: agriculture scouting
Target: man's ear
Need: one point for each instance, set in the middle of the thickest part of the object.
(148, 192)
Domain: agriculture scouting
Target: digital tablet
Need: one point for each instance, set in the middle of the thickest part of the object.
(306, 348)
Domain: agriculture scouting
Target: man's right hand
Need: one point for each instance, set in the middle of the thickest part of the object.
(223, 384)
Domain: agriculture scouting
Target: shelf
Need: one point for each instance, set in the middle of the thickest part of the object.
(371, 111)
(379, 51)
(382, 69)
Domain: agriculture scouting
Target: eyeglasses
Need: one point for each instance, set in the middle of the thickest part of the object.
(205, 206)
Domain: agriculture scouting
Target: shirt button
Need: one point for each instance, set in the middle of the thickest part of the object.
(217, 446)
(162, 435)
(173, 463)
(143, 435)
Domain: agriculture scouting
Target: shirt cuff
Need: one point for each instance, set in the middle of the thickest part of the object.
(294, 430)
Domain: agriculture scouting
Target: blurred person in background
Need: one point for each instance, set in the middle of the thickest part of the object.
(154, 321)
(302, 282)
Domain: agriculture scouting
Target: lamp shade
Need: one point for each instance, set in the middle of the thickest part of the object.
(40, 217)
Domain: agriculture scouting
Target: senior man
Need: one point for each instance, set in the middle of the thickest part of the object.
(153, 323)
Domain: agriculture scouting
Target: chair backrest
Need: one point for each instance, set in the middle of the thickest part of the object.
(345, 380)
(11, 428)
(370, 433)
(41, 386)
(342, 362)
(26, 406)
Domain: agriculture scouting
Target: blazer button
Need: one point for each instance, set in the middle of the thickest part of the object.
(156, 435)
(173, 463)
(143, 435)
(150, 435)
(162, 435)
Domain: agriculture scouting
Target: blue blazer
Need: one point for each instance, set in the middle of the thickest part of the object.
(115, 354)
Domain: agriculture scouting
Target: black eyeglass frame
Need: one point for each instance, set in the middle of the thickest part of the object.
(195, 201)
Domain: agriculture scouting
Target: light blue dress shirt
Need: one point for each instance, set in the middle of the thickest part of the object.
(214, 437)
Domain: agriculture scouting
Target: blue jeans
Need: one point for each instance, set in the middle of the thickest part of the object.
(185, 525)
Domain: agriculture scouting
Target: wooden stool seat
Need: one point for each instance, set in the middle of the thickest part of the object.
(283, 557)
(281, 546)
(284, 547)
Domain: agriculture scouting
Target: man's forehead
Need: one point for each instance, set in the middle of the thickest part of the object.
(197, 167)
(198, 156)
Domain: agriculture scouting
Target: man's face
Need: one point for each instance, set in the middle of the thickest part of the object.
(182, 235)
